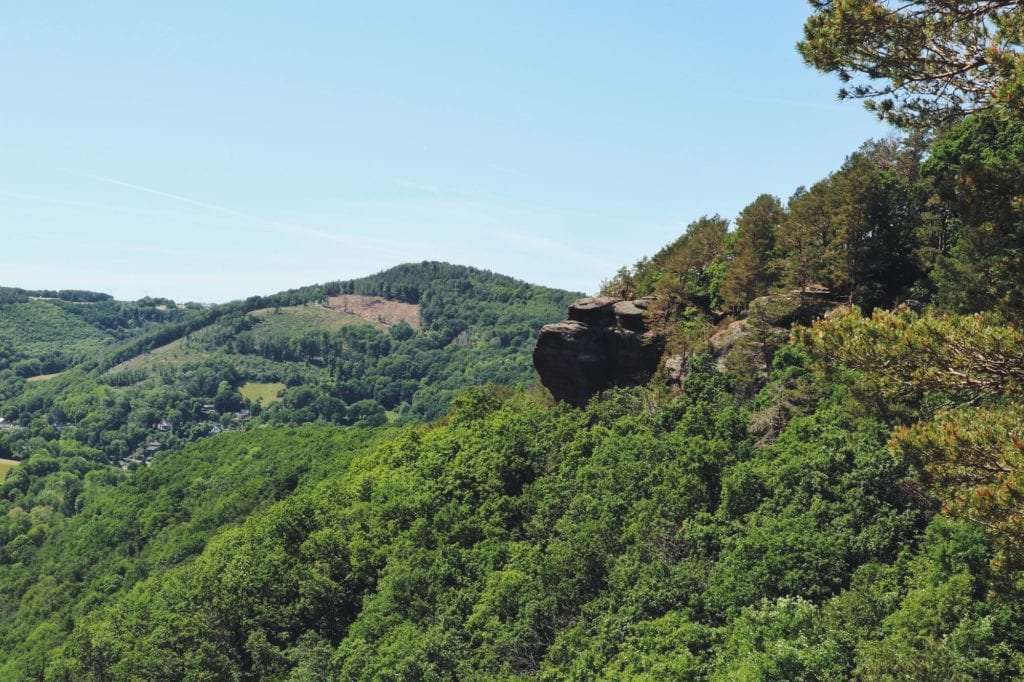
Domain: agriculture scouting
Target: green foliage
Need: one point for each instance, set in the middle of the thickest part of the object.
(776, 521)
(514, 540)
(334, 367)
(922, 63)
(751, 273)
(979, 182)
(46, 335)
(957, 382)
(127, 528)
(852, 232)
(687, 271)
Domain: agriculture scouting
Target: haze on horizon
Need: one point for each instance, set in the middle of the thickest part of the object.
(211, 153)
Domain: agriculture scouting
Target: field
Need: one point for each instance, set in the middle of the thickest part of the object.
(264, 393)
(174, 353)
(5, 466)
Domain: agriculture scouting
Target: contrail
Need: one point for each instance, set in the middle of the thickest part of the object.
(275, 225)
(159, 193)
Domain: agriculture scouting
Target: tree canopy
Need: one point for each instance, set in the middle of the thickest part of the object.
(920, 63)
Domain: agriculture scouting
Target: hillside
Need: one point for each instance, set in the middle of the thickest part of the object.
(43, 332)
(826, 495)
(821, 492)
(787, 448)
(516, 541)
(189, 376)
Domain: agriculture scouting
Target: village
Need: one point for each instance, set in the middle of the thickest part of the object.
(145, 454)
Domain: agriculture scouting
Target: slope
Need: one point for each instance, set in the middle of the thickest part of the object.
(515, 541)
(183, 380)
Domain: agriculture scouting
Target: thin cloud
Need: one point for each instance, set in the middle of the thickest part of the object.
(273, 225)
(544, 246)
(73, 203)
(160, 193)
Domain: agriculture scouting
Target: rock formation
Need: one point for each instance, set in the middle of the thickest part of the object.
(604, 343)
(752, 340)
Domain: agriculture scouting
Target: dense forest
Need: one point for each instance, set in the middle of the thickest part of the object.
(181, 378)
(835, 500)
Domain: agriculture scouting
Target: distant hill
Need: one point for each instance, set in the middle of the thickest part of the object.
(42, 332)
(143, 377)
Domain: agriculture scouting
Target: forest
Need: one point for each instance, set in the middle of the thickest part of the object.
(186, 374)
(837, 500)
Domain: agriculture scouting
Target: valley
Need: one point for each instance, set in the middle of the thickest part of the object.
(784, 444)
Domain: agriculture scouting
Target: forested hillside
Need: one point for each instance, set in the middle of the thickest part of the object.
(43, 332)
(839, 499)
(515, 540)
(306, 359)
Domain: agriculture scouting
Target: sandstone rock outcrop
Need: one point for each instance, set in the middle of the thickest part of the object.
(606, 343)
(751, 341)
(603, 344)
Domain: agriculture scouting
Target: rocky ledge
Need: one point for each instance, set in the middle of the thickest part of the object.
(603, 344)
(750, 342)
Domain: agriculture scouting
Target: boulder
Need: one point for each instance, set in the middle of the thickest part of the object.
(603, 344)
(799, 306)
(596, 311)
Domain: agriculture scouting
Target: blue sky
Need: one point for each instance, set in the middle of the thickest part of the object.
(210, 151)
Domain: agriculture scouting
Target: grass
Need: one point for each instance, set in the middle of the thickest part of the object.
(263, 393)
(5, 466)
(175, 353)
(285, 322)
(43, 377)
(294, 320)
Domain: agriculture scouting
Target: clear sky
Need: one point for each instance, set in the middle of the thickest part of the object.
(215, 150)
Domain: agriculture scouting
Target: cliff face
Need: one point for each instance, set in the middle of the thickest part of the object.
(748, 344)
(604, 343)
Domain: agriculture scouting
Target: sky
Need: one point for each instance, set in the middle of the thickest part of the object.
(213, 151)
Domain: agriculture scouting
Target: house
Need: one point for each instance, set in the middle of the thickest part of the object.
(162, 425)
(242, 415)
(215, 430)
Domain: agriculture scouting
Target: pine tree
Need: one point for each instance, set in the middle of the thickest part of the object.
(751, 272)
(920, 63)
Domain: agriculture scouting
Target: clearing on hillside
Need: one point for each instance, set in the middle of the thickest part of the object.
(377, 309)
(6, 465)
(43, 377)
(293, 320)
(283, 322)
(177, 352)
(265, 394)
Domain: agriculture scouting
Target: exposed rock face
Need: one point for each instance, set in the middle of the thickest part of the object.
(800, 306)
(604, 343)
(770, 318)
(753, 339)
